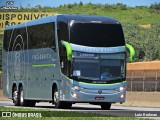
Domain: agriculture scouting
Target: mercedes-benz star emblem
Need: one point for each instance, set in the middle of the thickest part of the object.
(99, 91)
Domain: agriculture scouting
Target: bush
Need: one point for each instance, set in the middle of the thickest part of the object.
(145, 41)
(155, 6)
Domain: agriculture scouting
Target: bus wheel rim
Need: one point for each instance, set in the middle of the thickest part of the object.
(21, 99)
(56, 97)
(15, 95)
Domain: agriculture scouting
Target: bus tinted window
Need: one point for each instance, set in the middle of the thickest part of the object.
(41, 36)
(19, 40)
(63, 35)
(6, 40)
(97, 35)
(63, 32)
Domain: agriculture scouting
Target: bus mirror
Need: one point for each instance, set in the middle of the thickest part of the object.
(68, 49)
(131, 52)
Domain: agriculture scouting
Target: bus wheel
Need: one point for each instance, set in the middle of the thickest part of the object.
(25, 102)
(58, 104)
(56, 98)
(15, 97)
(105, 106)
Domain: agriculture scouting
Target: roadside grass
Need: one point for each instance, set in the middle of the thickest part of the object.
(59, 115)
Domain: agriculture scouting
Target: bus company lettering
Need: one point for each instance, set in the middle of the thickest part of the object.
(41, 56)
(99, 49)
(86, 55)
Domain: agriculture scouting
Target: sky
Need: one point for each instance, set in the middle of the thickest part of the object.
(56, 3)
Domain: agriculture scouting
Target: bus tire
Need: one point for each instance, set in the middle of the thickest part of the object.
(58, 104)
(24, 102)
(15, 96)
(105, 106)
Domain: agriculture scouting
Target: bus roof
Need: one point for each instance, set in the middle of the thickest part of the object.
(84, 18)
(89, 18)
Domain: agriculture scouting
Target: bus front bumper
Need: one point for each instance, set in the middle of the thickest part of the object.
(97, 96)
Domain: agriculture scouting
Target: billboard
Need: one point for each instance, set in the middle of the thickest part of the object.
(13, 18)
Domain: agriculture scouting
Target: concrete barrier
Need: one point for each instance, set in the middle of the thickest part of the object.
(2, 97)
(142, 99)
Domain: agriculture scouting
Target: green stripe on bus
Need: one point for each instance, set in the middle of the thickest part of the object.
(43, 65)
(101, 84)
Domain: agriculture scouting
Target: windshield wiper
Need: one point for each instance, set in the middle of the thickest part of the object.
(116, 78)
(90, 78)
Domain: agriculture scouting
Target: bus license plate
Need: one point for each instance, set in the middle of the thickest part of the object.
(99, 98)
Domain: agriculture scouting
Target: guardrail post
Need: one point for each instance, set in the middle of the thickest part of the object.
(0, 81)
(144, 72)
(156, 80)
(131, 79)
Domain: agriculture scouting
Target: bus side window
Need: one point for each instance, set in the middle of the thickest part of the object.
(42, 36)
(12, 42)
(32, 33)
(16, 40)
(20, 39)
(49, 35)
(6, 39)
(63, 34)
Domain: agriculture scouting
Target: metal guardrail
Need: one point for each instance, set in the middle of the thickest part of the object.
(143, 80)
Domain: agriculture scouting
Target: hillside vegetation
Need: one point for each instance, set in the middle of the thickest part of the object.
(123, 13)
(141, 24)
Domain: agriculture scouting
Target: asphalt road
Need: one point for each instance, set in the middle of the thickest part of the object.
(115, 110)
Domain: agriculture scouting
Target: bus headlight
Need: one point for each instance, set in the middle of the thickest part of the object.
(121, 96)
(77, 88)
(74, 94)
(121, 88)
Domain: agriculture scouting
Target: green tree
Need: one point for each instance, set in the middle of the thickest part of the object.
(155, 6)
(81, 3)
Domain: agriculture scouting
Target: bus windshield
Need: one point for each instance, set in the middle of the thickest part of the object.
(106, 70)
(96, 34)
(100, 68)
